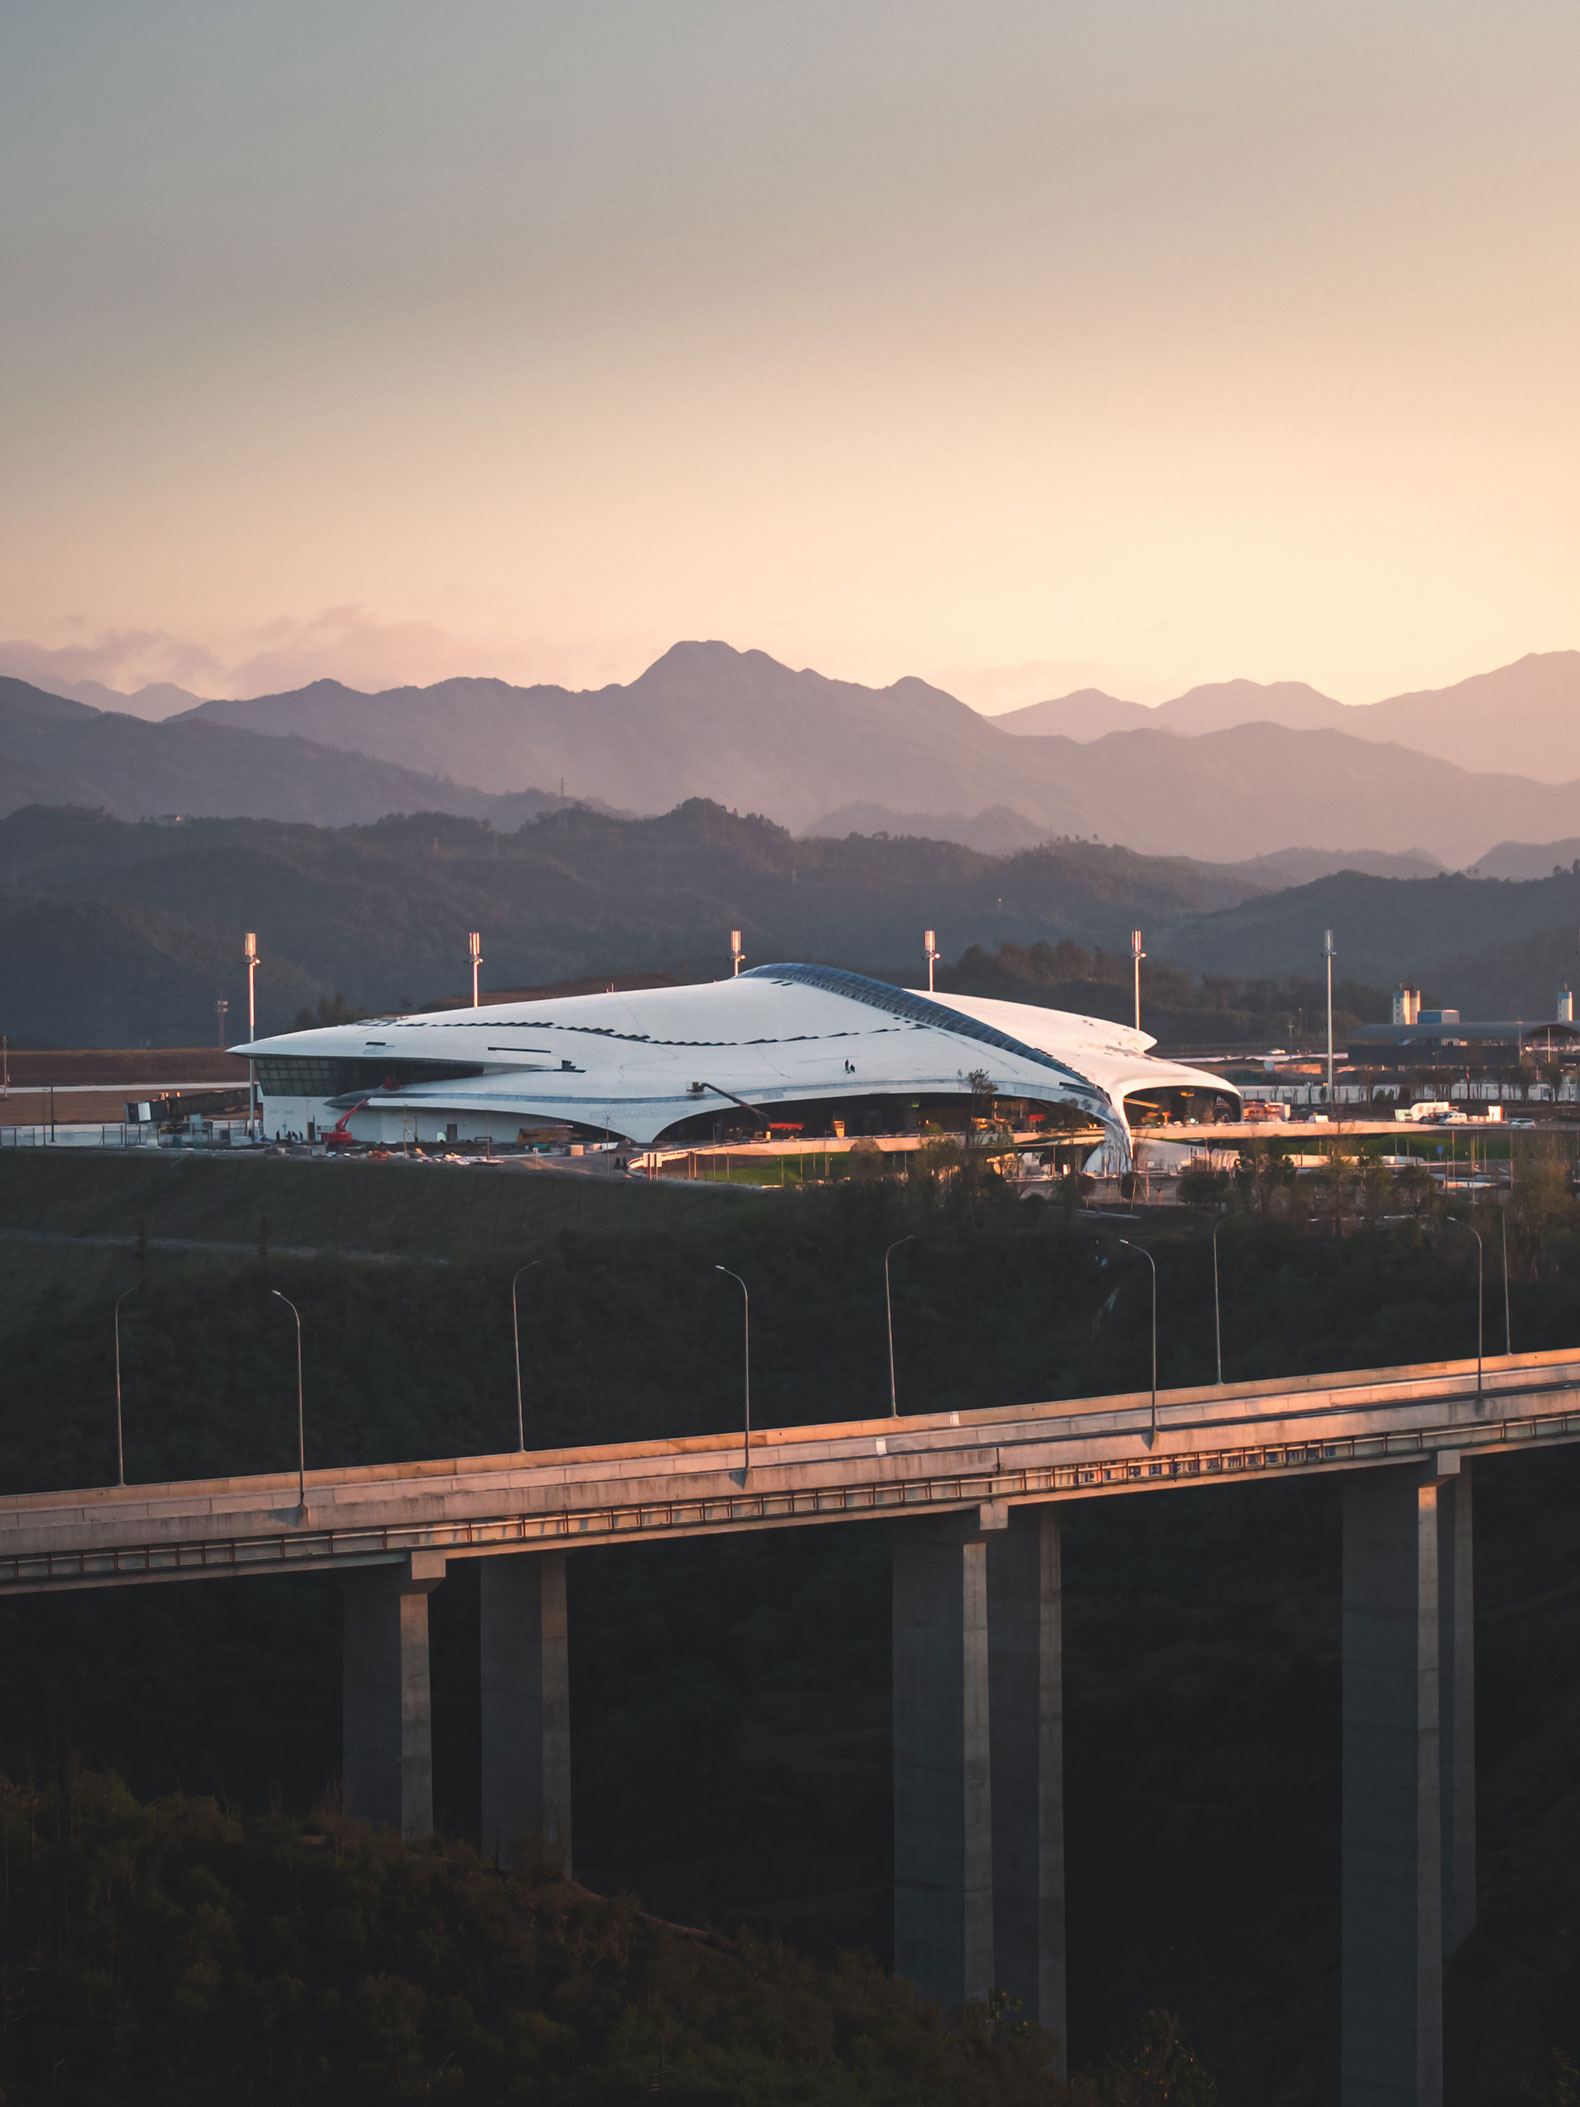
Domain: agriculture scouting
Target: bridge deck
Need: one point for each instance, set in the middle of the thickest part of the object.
(868, 1469)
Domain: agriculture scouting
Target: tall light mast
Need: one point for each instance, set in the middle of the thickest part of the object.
(736, 951)
(1327, 953)
(475, 945)
(1136, 956)
(930, 946)
(249, 951)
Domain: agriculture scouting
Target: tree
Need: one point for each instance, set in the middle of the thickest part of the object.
(1201, 1186)
(1264, 1178)
(1157, 2069)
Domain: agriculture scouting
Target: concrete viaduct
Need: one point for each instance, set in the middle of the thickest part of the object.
(972, 1501)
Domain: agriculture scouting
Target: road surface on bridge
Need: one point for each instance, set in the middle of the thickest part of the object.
(855, 1470)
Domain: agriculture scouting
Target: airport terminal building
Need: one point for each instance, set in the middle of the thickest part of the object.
(786, 1049)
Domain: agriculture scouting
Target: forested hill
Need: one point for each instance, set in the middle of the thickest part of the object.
(123, 934)
(116, 933)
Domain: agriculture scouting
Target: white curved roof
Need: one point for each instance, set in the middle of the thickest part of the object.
(1115, 1057)
(636, 1063)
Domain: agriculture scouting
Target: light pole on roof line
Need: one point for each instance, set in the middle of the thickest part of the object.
(249, 952)
(1327, 952)
(930, 946)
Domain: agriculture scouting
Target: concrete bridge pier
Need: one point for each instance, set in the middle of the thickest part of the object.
(386, 1701)
(943, 1803)
(526, 1703)
(1456, 1682)
(1025, 1666)
(1408, 1827)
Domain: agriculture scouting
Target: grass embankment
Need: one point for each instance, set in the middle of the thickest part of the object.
(418, 1210)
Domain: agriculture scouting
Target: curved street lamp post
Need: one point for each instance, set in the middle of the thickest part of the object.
(515, 1329)
(301, 1438)
(1508, 1325)
(746, 1336)
(1152, 1431)
(888, 1310)
(1217, 1313)
(120, 1445)
(1460, 1223)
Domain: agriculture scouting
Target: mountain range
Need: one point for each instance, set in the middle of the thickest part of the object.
(827, 757)
(119, 934)
(124, 934)
(1527, 714)
(58, 752)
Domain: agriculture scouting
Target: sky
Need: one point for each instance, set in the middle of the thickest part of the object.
(1024, 347)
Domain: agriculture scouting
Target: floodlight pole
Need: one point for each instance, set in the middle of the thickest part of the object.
(515, 1329)
(1136, 956)
(475, 947)
(1152, 1431)
(120, 1445)
(888, 1309)
(249, 951)
(1459, 1223)
(746, 1334)
(1327, 952)
(736, 951)
(930, 946)
(301, 1439)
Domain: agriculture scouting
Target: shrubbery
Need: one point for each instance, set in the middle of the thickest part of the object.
(178, 1954)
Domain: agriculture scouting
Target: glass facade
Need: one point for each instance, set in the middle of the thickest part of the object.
(316, 1075)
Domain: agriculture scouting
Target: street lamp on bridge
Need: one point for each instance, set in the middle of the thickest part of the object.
(888, 1311)
(1217, 1313)
(301, 1437)
(1152, 1430)
(746, 1338)
(515, 1329)
(1460, 1223)
(120, 1445)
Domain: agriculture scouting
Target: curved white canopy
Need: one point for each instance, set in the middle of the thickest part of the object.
(638, 1063)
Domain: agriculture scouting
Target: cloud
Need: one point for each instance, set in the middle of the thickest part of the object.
(123, 659)
(350, 645)
(339, 643)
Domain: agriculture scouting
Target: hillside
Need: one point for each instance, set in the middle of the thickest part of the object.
(708, 721)
(55, 751)
(1528, 711)
(811, 753)
(113, 934)
(702, 721)
(731, 1698)
(1487, 947)
(1217, 707)
(117, 934)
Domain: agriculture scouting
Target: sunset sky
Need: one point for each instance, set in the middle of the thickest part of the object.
(1021, 346)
